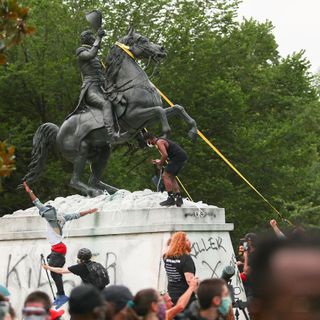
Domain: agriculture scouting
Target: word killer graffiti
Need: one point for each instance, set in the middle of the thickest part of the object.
(202, 251)
(207, 245)
(24, 273)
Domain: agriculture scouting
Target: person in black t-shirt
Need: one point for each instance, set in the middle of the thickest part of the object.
(179, 266)
(177, 158)
(80, 269)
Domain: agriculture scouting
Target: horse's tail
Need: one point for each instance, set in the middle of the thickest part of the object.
(43, 141)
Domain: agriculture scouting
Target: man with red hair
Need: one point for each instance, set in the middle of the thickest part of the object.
(179, 266)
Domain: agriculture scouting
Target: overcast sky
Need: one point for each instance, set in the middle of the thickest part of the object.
(296, 22)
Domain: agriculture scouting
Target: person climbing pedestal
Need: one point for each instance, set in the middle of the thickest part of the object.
(55, 223)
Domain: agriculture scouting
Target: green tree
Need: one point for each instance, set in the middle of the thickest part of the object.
(12, 26)
(259, 109)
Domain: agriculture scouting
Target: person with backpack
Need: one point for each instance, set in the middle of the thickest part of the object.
(90, 272)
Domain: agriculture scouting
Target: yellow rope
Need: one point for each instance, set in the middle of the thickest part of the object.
(183, 187)
(126, 49)
(215, 149)
(208, 142)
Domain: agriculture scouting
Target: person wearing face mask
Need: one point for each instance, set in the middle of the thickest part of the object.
(177, 158)
(4, 309)
(147, 304)
(55, 223)
(214, 300)
(37, 307)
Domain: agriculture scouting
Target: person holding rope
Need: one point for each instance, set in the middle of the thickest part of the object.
(177, 158)
(55, 223)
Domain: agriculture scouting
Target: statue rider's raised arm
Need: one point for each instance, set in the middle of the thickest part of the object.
(86, 52)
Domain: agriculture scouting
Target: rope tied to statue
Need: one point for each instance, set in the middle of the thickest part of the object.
(216, 150)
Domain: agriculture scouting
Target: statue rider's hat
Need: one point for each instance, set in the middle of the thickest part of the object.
(94, 17)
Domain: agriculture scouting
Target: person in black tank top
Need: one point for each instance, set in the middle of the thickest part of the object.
(175, 157)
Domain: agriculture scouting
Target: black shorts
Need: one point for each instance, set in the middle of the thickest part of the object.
(56, 259)
(174, 166)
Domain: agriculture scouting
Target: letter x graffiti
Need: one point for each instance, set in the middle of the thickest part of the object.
(214, 274)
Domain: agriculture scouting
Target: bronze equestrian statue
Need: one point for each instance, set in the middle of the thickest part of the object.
(121, 95)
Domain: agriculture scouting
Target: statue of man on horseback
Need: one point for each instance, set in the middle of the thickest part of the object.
(92, 93)
(88, 132)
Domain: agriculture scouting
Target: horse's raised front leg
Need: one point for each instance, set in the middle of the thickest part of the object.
(178, 110)
(79, 164)
(98, 165)
(148, 115)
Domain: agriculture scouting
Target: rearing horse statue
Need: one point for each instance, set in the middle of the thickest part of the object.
(82, 137)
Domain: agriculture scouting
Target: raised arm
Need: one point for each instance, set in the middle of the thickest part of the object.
(276, 229)
(34, 198)
(84, 213)
(29, 191)
(92, 52)
(72, 216)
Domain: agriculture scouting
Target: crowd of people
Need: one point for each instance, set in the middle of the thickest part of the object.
(281, 277)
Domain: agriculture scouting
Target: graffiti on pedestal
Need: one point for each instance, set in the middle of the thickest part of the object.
(210, 244)
(111, 266)
(23, 272)
(203, 251)
(14, 270)
(213, 269)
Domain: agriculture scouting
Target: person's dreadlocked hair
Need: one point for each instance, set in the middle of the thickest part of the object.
(148, 135)
(178, 245)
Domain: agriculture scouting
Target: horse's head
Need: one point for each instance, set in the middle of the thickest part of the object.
(141, 47)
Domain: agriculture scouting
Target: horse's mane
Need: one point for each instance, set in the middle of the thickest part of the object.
(115, 58)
